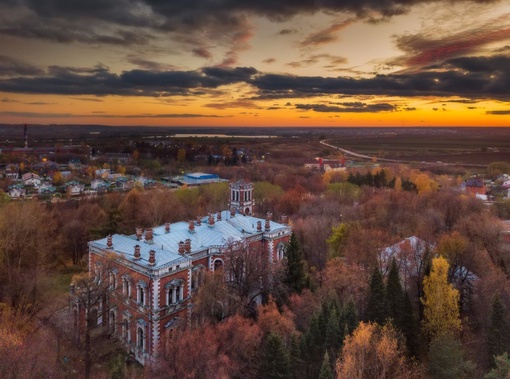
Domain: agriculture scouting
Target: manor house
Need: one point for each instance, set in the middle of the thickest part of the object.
(157, 270)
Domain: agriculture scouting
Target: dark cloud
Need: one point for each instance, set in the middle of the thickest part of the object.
(10, 66)
(425, 49)
(269, 60)
(202, 52)
(149, 65)
(468, 77)
(352, 108)
(475, 77)
(500, 112)
(127, 22)
(284, 32)
(246, 104)
(325, 36)
(8, 100)
(333, 61)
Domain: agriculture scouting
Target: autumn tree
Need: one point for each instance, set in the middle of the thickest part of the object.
(374, 351)
(440, 301)
(247, 274)
(28, 242)
(90, 293)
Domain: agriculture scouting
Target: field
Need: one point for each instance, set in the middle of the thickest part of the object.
(462, 146)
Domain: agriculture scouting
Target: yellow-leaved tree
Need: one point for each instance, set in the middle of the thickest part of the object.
(374, 351)
(440, 301)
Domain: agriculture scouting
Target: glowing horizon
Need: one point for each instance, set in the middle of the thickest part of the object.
(246, 64)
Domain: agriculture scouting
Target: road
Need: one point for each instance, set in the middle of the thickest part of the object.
(363, 156)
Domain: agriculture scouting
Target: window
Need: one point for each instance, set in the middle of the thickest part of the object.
(197, 276)
(112, 322)
(126, 333)
(126, 287)
(280, 251)
(140, 338)
(142, 294)
(174, 291)
(218, 265)
(112, 278)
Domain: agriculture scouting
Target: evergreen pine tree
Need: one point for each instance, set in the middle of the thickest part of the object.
(326, 370)
(498, 335)
(349, 318)
(409, 326)
(377, 309)
(295, 277)
(395, 295)
(333, 338)
(295, 358)
(275, 360)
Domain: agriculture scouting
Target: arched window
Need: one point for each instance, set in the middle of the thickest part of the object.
(113, 320)
(126, 286)
(112, 278)
(218, 265)
(197, 276)
(280, 251)
(140, 338)
(126, 333)
(141, 296)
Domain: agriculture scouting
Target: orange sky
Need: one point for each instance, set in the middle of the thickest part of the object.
(218, 64)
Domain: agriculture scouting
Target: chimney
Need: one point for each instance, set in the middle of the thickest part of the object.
(137, 252)
(148, 235)
(199, 221)
(167, 227)
(152, 258)
(269, 216)
(138, 232)
(191, 227)
(259, 226)
(210, 220)
(109, 242)
(218, 216)
(232, 212)
(285, 219)
(187, 245)
(267, 225)
(182, 248)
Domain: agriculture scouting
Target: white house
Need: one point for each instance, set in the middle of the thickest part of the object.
(31, 179)
(16, 192)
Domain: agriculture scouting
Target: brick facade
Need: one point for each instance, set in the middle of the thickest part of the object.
(155, 271)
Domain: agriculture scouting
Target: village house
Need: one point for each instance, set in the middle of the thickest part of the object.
(17, 191)
(156, 270)
(474, 186)
(74, 188)
(31, 179)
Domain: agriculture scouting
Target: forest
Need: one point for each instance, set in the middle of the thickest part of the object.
(341, 305)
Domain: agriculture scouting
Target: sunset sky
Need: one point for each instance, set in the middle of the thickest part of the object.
(256, 62)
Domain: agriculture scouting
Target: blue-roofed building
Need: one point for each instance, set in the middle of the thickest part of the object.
(158, 269)
(197, 178)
